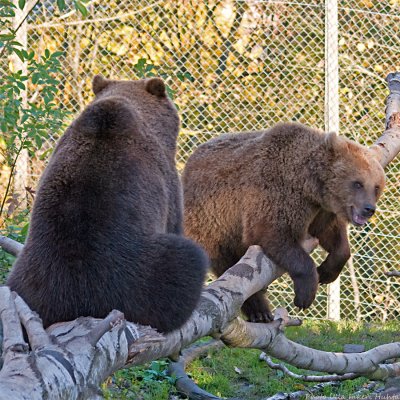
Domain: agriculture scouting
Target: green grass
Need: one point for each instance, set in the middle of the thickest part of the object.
(240, 373)
(149, 383)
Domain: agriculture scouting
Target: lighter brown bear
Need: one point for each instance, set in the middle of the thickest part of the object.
(273, 188)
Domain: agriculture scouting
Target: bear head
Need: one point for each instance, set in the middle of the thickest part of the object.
(355, 180)
(147, 100)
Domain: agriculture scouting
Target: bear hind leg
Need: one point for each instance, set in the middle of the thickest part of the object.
(257, 308)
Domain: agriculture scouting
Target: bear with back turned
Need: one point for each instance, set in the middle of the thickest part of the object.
(273, 188)
(106, 226)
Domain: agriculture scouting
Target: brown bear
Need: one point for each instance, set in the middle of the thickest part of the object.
(106, 226)
(273, 188)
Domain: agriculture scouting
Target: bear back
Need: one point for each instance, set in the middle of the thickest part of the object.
(106, 225)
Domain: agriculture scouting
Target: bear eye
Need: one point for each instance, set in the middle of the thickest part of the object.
(377, 188)
(357, 185)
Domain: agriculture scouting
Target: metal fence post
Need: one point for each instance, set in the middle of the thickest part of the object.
(332, 115)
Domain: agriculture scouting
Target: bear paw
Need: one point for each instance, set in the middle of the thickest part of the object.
(327, 276)
(305, 289)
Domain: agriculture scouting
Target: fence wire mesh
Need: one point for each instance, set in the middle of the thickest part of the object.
(245, 65)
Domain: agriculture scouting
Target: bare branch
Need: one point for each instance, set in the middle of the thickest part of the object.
(388, 145)
(33, 324)
(366, 363)
(13, 340)
(113, 319)
(10, 246)
(303, 393)
(392, 273)
(184, 384)
(307, 378)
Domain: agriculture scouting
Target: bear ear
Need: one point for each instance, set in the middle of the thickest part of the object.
(156, 87)
(331, 140)
(376, 151)
(99, 83)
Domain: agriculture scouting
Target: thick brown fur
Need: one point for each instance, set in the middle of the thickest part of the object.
(106, 226)
(273, 188)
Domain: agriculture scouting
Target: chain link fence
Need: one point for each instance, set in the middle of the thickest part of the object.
(246, 65)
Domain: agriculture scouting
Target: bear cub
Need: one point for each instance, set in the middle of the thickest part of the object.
(273, 188)
(106, 227)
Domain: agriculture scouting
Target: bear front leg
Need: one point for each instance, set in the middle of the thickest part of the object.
(334, 240)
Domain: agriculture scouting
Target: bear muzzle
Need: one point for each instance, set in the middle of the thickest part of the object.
(360, 217)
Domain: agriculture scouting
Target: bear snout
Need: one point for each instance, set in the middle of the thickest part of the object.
(368, 210)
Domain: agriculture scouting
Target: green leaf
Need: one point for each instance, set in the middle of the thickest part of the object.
(20, 54)
(47, 53)
(61, 4)
(149, 67)
(57, 54)
(6, 3)
(21, 4)
(21, 85)
(24, 118)
(24, 230)
(45, 154)
(170, 92)
(81, 8)
(189, 76)
(7, 37)
(38, 141)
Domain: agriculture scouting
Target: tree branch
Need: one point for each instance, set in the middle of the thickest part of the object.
(388, 145)
(306, 378)
(273, 342)
(183, 383)
(10, 246)
(392, 273)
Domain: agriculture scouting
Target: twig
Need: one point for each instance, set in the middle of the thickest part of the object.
(307, 378)
(38, 337)
(20, 24)
(11, 174)
(392, 273)
(282, 315)
(114, 318)
(301, 393)
(363, 391)
(93, 20)
(13, 340)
